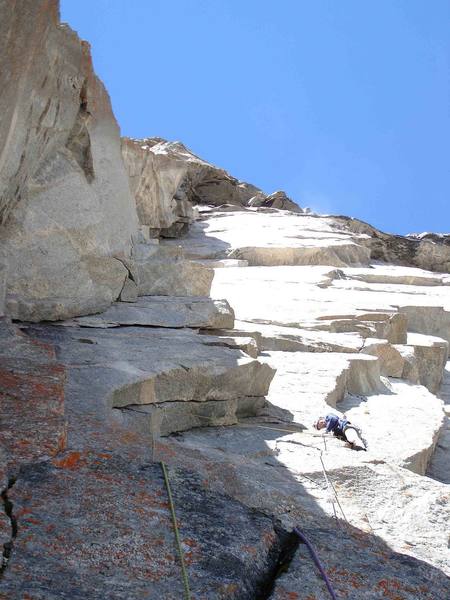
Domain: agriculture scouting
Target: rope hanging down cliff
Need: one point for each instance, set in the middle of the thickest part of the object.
(187, 592)
(316, 560)
(300, 534)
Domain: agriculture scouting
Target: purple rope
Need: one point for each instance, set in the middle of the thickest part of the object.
(315, 558)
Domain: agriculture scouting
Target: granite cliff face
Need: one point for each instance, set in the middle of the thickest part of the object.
(68, 218)
(154, 308)
(167, 180)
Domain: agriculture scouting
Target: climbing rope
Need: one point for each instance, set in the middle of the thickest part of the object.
(331, 486)
(316, 560)
(303, 538)
(187, 592)
(332, 493)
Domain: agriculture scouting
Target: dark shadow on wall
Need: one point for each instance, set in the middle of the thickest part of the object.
(200, 243)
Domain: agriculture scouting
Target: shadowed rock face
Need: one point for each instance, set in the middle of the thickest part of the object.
(65, 205)
(3, 273)
(95, 499)
(123, 542)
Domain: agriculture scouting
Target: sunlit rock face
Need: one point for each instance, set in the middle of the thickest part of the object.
(206, 325)
(167, 180)
(267, 237)
(155, 178)
(368, 341)
(179, 174)
(66, 210)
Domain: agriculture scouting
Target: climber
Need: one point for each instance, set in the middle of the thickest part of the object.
(342, 429)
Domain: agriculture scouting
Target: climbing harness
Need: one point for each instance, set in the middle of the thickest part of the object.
(316, 560)
(187, 592)
(358, 433)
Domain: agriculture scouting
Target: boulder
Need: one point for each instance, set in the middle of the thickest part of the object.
(276, 200)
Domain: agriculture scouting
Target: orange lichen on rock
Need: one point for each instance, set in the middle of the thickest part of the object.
(70, 461)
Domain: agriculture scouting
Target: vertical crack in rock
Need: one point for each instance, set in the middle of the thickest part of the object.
(279, 559)
(8, 510)
(129, 267)
(79, 141)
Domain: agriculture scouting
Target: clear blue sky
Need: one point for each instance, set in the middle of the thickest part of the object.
(345, 104)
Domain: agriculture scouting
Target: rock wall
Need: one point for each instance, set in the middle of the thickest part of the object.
(97, 408)
(429, 252)
(67, 215)
(155, 178)
(167, 180)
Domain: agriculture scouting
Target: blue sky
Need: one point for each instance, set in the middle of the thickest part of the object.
(344, 104)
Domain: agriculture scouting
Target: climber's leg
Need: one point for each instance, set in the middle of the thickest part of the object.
(353, 437)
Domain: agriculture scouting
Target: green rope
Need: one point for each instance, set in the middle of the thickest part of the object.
(187, 592)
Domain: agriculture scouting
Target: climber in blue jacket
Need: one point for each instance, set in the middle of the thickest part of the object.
(342, 429)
